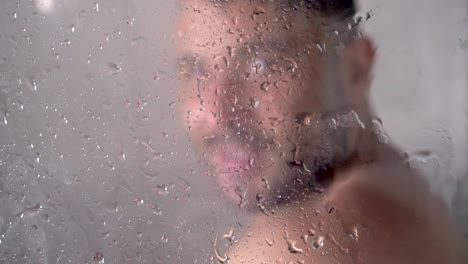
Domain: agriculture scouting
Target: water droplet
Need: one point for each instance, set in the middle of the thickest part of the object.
(293, 248)
(82, 14)
(5, 122)
(139, 201)
(32, 84)
(265, 86)
(45, 217)
(218, 68)
(305, 120)
(71, 28)
(44, 6)
(230, 235)
(123, 157)
(426, 162)
(422, 156)
(221, 259)
(355, 233)
(263, 209)
(112, 206)
(67, 42)
(270, 242)
(260, 198)
(350, 119)
(379, 131)
(318, 242)
(254, 103)
(129, 21)
(96, 7)
(336, 243)
(98, 257)
(320, 49)
(159, 75)
(259, 10)
(163, 189)
(156, 210)
(38, 156)
(30, 211)
(113, 68)
(332, 123)
(68, 178)
(231, 51)
(52, 167)
(164, 239)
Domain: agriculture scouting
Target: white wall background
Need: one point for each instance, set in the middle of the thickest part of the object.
(421, 86)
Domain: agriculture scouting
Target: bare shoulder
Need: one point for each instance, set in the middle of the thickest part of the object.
(401, 220)
(380, 213)
(301, 232)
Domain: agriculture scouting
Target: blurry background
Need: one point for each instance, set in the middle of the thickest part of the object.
(95, 163)
(421, 87)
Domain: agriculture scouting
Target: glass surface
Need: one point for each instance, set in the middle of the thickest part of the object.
(163, 131)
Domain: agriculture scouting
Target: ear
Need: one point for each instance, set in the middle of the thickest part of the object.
(358, 62)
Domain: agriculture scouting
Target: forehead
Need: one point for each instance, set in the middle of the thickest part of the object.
(206, 26)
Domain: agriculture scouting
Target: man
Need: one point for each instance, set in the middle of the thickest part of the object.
(275, 96)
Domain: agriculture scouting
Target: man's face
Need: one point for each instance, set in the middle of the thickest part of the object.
(249, 81)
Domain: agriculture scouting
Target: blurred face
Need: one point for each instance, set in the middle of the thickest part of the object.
(250, 76)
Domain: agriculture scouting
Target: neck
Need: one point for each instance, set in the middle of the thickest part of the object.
(366, 143)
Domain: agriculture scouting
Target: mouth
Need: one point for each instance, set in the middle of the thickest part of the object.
(239, 169)
(232, 163)
(233, 158)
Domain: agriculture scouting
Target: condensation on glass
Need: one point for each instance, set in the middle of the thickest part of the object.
(180, 131)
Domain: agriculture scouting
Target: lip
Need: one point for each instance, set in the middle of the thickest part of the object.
(232, 158)
(241, 163)
(234, 166)
(233, 163)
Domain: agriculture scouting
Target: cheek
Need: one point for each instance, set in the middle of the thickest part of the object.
(272, 112)
(200, 119)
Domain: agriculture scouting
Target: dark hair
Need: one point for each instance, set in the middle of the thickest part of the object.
(341, 11)
(335, 8)
(338, 14)
(339, 8)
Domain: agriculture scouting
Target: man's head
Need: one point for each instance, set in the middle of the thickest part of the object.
(261, 83)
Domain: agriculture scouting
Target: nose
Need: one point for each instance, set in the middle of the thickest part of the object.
(237, 105)
(227, 101)
(224, 108)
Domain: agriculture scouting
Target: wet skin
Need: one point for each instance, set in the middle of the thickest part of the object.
(269, 110)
